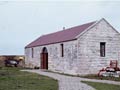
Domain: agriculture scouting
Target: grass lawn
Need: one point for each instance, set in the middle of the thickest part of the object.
(13, 79)
(102, 86)
(102, 78)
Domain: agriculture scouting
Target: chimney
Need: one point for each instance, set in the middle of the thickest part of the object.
(63, 28)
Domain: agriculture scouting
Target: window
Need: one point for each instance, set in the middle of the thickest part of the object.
(62, 50)
(102, 49)
(32, 52)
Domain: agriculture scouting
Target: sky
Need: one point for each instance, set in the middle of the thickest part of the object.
(22, 21)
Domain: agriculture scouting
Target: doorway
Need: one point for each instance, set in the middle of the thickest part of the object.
(44, 58)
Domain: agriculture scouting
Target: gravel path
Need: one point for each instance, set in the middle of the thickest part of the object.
(69, 82)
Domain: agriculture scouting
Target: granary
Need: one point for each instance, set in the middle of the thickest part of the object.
(79, 50)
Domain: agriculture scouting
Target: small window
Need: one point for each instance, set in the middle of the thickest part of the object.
(102, 49)
(32, 52)
(62, 50)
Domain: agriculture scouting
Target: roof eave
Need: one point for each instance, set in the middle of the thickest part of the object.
(50, 43)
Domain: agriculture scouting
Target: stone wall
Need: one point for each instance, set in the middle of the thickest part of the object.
(89, 59)
(20, 58)
(55, 61)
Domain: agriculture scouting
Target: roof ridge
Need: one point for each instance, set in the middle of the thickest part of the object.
(69, 28)
(82, 24)
(60, 36)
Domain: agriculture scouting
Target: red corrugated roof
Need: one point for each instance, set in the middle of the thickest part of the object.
(61, 36)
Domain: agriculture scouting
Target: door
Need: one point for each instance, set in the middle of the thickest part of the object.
(44, 59)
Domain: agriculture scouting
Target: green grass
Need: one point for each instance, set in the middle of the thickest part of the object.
(13, 79)
(93, 76)
(102, 86)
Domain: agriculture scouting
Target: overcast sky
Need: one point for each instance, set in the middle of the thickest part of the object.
(23, 21)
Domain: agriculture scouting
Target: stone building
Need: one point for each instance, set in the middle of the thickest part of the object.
(83, 49)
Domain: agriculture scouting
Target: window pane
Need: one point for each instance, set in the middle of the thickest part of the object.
(102, 49)
(62, 50)
(32, 53)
